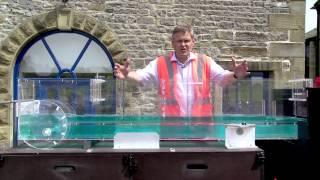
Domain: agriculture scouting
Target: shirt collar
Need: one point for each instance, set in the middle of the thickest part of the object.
(192, 56)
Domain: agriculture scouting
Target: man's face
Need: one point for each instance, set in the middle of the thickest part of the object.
(182, 44)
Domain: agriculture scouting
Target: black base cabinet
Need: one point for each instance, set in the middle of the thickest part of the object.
(175, 164)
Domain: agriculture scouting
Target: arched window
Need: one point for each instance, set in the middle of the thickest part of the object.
(59, 54)
(73, 56)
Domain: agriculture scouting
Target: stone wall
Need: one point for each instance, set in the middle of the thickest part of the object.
(261, 30)
(268, 33)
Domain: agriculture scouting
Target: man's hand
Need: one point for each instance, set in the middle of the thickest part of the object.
(122, 71)
(240, 70)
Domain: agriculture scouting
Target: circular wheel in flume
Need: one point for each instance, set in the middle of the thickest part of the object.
(42, 124)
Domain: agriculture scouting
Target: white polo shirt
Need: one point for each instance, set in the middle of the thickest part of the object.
(149, 74)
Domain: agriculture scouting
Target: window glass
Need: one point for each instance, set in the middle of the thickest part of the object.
(37, 62)
(248, 97)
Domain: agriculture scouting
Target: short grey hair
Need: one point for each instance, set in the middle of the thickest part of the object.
(184, 29)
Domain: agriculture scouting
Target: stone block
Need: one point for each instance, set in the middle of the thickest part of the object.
(251, 36)
(64, 19)
(4, 70)
(285, 49)
(226, 35)
(5, 58)
(297, 7)
(4, 115)
(18, 36)
(78, 20)
(298, 67)
(108, 38)
(28, 28)
(4, 133)
(286, 21)
(89, 24)
(100, 30)
(9, 46)
(296, 36)
(250, 51)
(45, 21)
(167, 21)
(146, 20)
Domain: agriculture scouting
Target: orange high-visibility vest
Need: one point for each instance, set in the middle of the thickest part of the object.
(167, 75)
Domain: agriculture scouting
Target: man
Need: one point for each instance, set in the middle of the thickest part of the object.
(183, 76)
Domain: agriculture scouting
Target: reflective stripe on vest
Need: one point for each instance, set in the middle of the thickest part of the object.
(202, 100)
(167, 71)
(166, 74)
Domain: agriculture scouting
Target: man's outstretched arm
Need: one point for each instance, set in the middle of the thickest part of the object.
(124, 71)
(238, 71)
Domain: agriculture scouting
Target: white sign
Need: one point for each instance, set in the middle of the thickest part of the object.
(136, 140)
(239, 136)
